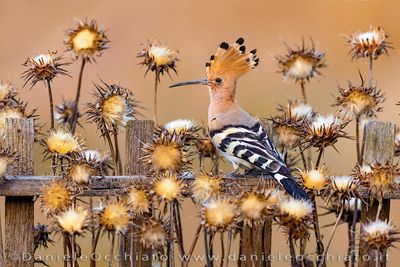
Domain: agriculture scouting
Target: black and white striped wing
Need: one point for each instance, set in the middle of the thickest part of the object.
(244, 143)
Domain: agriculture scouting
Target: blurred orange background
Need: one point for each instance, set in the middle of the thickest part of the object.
(196, 28)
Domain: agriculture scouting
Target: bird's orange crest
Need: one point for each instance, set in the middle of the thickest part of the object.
(231, 60)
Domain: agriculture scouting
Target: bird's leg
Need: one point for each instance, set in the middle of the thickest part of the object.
(235, 173)
(201, 158)
(215, 164)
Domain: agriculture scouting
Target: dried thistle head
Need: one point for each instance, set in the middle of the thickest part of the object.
(7, 157)
(73, 221)
(342, 188)
(7, 91)
(152, 234)
(297, 110)
(114, 216)
(56, 197)
(293, 210)
(168, 188)
(253, 208)
(41, 236)
(103, 160)
(43, 67)
(380, 177)
(324, 131)
(302, 63)
(379, 235)
(166, 154)
(158, 58)
(371, 43)
(286, 130)
(205, 146)
(114, 107)
(63, 113)
(359, 100)
(86, 40)
(295, 216)
(274, 196)
(219, 214)
(14, 110)
(185, 128)
(205, 187)
(61, 142)
(81, 170)
(314, 178)
(138, 200)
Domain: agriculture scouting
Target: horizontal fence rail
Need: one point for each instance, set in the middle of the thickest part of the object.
(20, 186)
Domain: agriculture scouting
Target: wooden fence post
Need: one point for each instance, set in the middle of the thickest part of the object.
(19, 211)
(137, 133)
(378, 147)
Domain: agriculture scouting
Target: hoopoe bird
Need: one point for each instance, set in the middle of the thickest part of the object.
(239, 136)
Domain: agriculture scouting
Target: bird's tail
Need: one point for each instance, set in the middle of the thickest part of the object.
(293, 188)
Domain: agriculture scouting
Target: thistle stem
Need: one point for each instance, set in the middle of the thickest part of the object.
(222, 249)
(110, 144)
(321, 151)
(292, 250)
(155, 116)
(117, 154)
(377, 258)
(229, 246)
(171, 234)
(131, 245)
(332, 234)
(371, 61)
(303, 242)
(207, 249)
(318, 237)
(353, 237)
(178, 228)
(378, 212)
(94, 246)
(111, 248)
(358, 139)
(303, 158)
(74, 121)
(73, 252)
(303, 91)
(51, 104)
(192, 247)
(65, 251)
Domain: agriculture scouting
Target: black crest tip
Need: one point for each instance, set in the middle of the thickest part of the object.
(240, 41)
(242, 49)
(212, 57)
(207, 64)
(253, 51)
(224, 45)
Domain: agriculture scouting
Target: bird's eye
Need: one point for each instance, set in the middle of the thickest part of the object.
(218, 80)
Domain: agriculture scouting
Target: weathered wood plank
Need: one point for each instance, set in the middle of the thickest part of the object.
(104, 186)
(378, 147)
(19, 211)
(137, 133)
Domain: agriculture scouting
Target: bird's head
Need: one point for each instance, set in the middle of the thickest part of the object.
(226, 66)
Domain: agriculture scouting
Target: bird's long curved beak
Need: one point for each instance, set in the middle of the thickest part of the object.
(203, 81)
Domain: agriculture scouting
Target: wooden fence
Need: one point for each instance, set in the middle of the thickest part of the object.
(21, 186)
